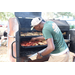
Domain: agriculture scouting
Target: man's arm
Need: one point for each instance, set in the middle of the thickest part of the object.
(49, 48)
(38, 38)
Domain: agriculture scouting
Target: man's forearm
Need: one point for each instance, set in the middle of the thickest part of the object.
(46, 52)
(40, 38)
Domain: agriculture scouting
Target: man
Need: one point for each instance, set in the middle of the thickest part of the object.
(56, 48)
(4, 38)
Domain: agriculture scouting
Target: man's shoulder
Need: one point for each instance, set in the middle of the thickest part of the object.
(47, 22)
(48, 25)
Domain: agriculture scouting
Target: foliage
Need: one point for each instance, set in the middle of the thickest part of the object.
(58, 14)
(52, 15)
(72, 26)
(6, 15)
(48, 15)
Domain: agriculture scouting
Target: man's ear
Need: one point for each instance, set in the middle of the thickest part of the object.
(39, 25)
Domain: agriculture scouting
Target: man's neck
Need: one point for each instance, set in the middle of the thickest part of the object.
(42, 24)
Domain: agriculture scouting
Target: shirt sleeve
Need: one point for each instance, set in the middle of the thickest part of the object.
(47, 34)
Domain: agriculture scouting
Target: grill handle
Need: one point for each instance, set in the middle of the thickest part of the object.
(12, 49)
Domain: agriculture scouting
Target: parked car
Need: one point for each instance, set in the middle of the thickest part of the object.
(6, 26)
(0, 25)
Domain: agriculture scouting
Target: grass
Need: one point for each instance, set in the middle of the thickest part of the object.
(3, 54)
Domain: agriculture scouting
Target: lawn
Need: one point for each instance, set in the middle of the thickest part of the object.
(3, 54)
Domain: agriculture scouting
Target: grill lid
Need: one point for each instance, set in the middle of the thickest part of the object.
(24, 20)
(28, 14)
(25, 25)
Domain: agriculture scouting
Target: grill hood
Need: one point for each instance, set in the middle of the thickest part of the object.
(28, 14)
(24, 20)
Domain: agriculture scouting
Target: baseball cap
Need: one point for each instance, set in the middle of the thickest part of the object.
(35, 21)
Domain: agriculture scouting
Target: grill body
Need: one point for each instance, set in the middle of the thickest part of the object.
(24, 27)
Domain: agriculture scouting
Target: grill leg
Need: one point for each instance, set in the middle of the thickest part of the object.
(74, 57)
(17, 47)
(18, 60)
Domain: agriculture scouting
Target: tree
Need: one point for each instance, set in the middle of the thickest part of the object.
(6, 15)
(47, 15)
(51, 15)
(58, 14)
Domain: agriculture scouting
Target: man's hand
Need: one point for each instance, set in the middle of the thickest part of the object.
(38, 38)
(22, 59)
(38, 56)
(33, 39)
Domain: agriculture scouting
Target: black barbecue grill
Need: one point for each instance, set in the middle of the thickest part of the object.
(24, 27)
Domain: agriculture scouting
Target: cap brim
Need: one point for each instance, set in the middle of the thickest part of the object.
(32, 28)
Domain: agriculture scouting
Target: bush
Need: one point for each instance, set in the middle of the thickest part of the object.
(72, 26)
